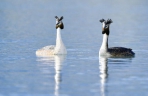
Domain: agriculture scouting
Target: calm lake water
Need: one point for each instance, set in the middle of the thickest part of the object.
(27, 25)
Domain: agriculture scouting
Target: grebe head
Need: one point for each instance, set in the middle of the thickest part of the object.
(59, 23)
(106, 24)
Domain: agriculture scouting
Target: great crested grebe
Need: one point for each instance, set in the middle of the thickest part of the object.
(59, 48)
(113, 51)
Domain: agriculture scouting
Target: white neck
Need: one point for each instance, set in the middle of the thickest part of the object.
(58, 39)
(104, 42)
(60, 48)
(104, 46)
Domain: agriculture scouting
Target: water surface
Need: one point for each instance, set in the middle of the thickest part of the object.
(27, 25)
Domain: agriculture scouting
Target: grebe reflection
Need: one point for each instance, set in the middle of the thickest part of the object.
(103, 73)
(58, 74)
(57, 60)
(121, 63)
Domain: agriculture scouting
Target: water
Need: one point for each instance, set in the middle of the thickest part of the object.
(27, 25)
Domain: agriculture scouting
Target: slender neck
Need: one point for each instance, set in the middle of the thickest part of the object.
(60, 48)
(58, 39)
(104, 45)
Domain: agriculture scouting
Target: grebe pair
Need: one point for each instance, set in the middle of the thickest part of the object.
(60, 48)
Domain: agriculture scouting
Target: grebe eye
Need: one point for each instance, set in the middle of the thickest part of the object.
(106, 26)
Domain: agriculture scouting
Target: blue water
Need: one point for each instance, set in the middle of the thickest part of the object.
(27, 25)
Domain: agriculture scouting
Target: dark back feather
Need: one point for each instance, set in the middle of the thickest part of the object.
(120, 51)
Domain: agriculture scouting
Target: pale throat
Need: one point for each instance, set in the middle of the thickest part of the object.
(104, 45)
(58, 39)
(56, 21)
(103, 24)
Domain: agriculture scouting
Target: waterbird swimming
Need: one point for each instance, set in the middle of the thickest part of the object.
(57, 49)
(113, 51)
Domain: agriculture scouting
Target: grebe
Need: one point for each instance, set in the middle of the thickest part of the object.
(59, 48)
(113, 51)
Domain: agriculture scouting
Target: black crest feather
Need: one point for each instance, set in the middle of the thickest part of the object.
(56, 17)
(109, 21)
(102, 20)
(61, 18)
